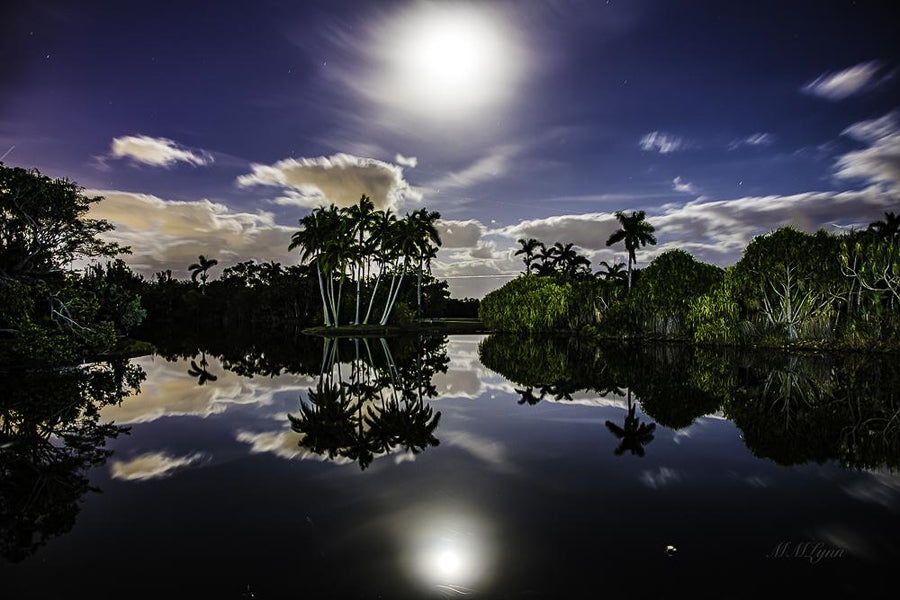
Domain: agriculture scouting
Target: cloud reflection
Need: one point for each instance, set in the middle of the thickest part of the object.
(153, 465)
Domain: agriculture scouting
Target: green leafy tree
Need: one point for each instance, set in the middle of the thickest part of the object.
(667, 287)
(43, 229)
(790, 282)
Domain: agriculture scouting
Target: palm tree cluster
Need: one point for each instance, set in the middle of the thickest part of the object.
(362, 248)
(380, 408)
(558, 259)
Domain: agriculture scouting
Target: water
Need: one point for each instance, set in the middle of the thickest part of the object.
(461, 467)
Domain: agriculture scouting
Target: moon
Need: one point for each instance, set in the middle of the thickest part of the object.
(451, 61)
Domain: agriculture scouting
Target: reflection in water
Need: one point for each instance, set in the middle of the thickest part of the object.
(368, 407)
(201, 371)
(791, 409)
(633, 434)
(449, 553)
(50, 435)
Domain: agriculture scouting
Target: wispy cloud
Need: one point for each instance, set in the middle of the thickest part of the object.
(685, 187)
(156, 152)
(838, 85)
(495, 164)
(340, 179)
(755, 140)
(879, 161)
(658, 141)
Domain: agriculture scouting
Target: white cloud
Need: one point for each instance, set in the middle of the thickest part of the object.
(168, 234)
(879, 162)
(459, 234)
(406, 161)
(685, 187)
(153, 465)
(589, 230)
(157, 152)
(658, 141)
(842, 84)
(340, 179)
(495, 164)
(756, 140)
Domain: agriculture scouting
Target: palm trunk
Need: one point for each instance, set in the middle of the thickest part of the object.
(419, 293)
(390, 305)
(629, 273)
(322, 294)
(372, 298)
(358, 280)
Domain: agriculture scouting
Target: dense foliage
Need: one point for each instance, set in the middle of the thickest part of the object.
(48, 311)
(789, 288)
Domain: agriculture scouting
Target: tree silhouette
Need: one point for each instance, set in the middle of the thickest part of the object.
(201, 269)
(615, 272)
(529, 249)
(633, 434)
(635, 232)
(887, 229)
(200, 371)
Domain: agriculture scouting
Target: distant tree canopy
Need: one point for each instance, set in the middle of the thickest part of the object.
(788, 287)
(52, 313)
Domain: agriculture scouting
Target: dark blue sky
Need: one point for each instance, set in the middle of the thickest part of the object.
(211, 127)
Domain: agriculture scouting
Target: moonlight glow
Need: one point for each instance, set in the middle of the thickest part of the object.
(449, 61)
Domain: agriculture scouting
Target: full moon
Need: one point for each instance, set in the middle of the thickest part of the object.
(450, 60)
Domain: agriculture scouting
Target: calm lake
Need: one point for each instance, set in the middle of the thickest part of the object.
(468, 466)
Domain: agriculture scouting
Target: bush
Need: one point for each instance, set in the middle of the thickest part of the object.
(666, 289)
(532, 303)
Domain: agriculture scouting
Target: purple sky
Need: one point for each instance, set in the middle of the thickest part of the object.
(211, 128)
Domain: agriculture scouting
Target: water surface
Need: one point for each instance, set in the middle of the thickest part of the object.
(431, 467)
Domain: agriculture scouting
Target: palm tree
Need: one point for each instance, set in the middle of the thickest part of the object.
(200, 269)
(425, 247)
(200, 371)
(635, 231)
(567, 260)
(887, 229)
(529, 247)
(615, 272)
(311, 240)
(402, 242)
(362, 219)
(379, 245)
(634, 435)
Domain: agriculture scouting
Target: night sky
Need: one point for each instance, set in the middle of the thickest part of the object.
(210, 128)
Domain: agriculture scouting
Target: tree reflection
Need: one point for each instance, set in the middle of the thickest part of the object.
(380, 406)
(791, 409)
(50, 436)
(200, 371)
(633, 434)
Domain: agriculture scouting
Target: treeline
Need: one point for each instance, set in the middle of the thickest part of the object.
(353, 261)
(788, 288)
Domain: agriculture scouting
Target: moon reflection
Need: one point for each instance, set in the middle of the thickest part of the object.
(451, 553)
